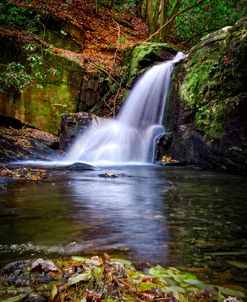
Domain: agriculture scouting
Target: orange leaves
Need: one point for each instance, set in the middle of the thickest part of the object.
(24, 173)
(105, 34)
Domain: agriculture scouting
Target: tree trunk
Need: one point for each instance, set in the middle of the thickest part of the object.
(163, 17)
(150, 15)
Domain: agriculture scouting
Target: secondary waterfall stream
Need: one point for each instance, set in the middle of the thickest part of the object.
(131, 137)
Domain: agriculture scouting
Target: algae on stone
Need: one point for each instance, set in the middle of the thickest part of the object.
(142, 56)
(215, 77)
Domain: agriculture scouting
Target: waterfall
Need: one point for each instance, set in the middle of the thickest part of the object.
(131, 136)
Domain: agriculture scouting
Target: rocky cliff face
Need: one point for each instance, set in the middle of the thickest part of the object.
(38, 83)
(207, 106)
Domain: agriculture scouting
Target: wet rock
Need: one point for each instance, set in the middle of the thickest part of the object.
(17, 265)
(13, 273)
(79, 167)
(41, 265)
(72, 124)
(144, 55)
(109, 175)
(25, 143)
(33, 297)
(207, 104)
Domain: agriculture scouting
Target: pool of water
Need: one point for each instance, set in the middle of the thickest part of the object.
(149, 214)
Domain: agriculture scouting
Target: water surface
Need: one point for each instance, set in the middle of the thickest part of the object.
(151, 214)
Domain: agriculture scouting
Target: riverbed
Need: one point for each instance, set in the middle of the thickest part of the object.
(173, 216)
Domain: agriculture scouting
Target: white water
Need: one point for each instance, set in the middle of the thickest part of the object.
(130, 138)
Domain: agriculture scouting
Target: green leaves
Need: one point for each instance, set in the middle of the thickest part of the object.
(14, 77)
(105, 280)
(15, 299)
(14, 17)
(78, 278)
(180, 282)
(17, 76)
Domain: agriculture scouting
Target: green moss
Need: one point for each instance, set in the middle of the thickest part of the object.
(58, 94)
(143, 55)
(53, 88)
(215, 76)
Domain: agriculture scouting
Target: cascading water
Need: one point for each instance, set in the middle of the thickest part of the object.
(130, 138)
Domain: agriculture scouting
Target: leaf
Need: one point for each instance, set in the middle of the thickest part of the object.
(15, 299)
(76, 279)
(145, 286)
(231, 292)
(158, 271)
(181, 298)
(54, 291)
(175, 289)
(79, 258)
(238, 264)
(98, 273)
(125, 262)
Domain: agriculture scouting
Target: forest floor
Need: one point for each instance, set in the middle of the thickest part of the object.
(106, 33)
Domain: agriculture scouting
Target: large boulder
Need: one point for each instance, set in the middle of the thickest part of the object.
(207, 105)
(72, 124)
(139, 58)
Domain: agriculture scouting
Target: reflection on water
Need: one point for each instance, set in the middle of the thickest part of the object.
(123, 212)
(172, 216)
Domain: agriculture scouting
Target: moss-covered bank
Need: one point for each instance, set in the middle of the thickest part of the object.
(207, 108)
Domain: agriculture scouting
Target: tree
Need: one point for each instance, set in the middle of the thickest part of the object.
(181, 20)
(163, 20)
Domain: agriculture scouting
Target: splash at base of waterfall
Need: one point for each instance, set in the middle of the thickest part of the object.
(131, 137)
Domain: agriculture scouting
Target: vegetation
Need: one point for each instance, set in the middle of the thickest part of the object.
(103, 279)
(213, 86)
(31, 69)
(102, 30)
(15, 17)
(184, 21)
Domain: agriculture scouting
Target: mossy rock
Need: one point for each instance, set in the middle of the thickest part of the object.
(206, 107)
(216, 76)
(53, 89)
(142, 56)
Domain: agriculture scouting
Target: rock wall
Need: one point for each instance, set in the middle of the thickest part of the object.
(54, 87)
(207, 105)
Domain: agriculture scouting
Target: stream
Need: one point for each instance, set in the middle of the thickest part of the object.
(171, 216)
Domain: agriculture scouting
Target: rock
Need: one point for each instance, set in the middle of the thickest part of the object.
(72, 124)
(33, 297)
(41, 265)
(73, 167)
(13, 266)
(142, 56)
(56, 90)
(207, 105)
(109, 175)
(25, 143)
(13, 273)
